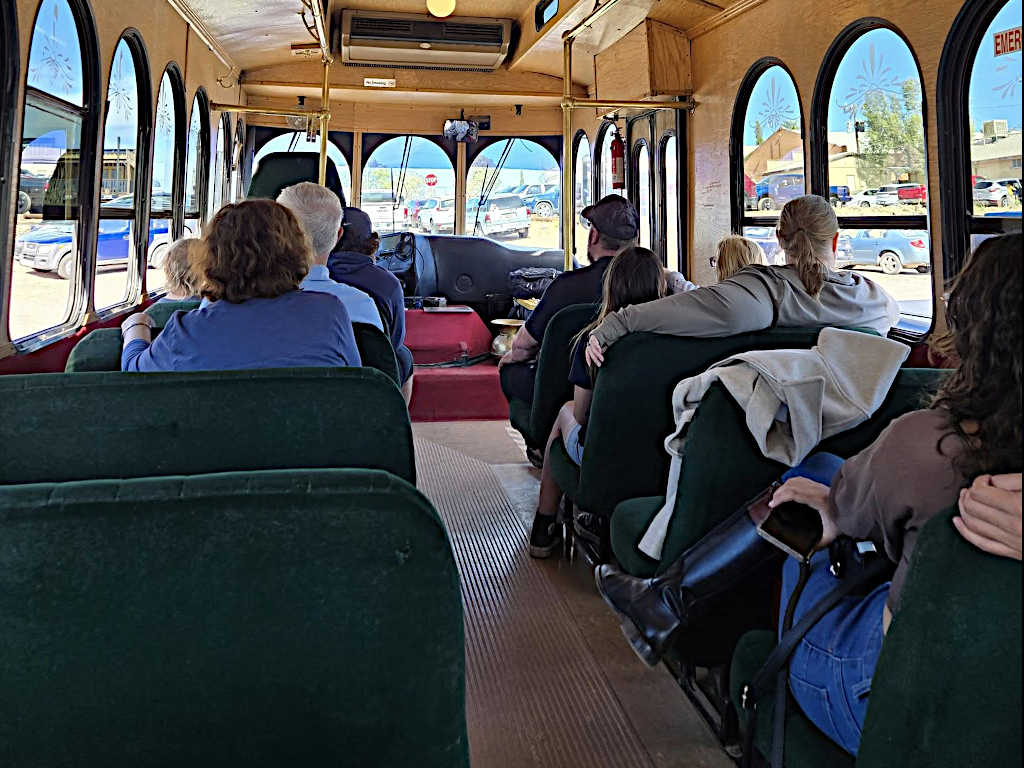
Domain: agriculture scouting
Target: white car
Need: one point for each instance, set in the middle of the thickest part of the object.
(988, 192)
(440, 218)
(864, 199)
(386, 214)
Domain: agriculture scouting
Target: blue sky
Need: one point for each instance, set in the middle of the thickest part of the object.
(772, 102)
(996, 81)
(878, 61)
(55, 60)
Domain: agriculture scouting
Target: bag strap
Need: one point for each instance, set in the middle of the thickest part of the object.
(774, 668)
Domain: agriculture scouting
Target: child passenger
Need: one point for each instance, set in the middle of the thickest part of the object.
(634, 276)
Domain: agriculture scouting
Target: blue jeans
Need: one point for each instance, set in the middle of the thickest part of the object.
(831, 669)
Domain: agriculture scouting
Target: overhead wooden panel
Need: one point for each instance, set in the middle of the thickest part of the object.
(653, 59)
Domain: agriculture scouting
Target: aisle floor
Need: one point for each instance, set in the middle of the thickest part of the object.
(549, 679)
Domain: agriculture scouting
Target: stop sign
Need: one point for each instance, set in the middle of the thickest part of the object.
(431, 180)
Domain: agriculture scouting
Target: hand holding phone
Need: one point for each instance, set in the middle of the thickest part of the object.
(793, 527)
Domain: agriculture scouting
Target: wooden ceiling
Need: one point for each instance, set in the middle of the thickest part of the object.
(258, 33)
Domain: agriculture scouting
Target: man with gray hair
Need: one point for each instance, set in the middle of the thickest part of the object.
(319, 212)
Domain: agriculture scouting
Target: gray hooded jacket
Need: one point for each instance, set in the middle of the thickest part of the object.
(755, 298)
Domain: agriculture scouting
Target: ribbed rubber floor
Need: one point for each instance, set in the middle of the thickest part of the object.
(535, 695)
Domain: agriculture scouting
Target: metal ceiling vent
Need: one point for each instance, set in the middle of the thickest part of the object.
(380, 38)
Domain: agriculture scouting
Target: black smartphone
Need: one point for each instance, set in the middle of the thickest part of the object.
(794, 528)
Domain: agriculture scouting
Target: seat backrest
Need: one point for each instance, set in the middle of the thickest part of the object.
(375, 350)
(283, 169)
(723, 466)
(57, 427)
(100, 350)
(161, 311)
(947, 688)
(631, 413)
(297, 617)
(551, 387)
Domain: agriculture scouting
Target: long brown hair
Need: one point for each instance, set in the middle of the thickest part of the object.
(255, 249)
(634, 276)
(806, 227)
(983, 394)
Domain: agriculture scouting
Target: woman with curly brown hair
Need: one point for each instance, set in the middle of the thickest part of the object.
(915, 469)
(256, 254)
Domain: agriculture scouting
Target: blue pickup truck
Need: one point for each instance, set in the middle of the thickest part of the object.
(777, 189)
(49, 246)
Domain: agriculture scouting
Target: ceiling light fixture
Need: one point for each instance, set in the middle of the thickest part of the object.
(441, 8)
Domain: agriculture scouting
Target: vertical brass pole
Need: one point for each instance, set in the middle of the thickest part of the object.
(325, 120)
(568, 161)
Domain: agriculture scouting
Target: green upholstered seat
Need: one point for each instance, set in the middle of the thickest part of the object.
(283, 169)
(724, 468)
(59, 426)
(100, 350)
(947, 688)
(806, 746)
(296, 617)
(551, 387)
(161, 311)
(628, 524)
(631, 413)
(375, 350)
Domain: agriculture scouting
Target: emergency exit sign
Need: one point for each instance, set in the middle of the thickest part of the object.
(1007, 41)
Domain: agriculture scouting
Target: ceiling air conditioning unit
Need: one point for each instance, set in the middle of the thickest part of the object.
(379, 38)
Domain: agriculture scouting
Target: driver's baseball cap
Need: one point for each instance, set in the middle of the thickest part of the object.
(614, 216)
(357, 224)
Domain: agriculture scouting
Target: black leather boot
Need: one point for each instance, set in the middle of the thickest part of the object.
(654, 610)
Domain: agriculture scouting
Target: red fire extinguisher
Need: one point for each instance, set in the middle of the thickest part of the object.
(618, 153)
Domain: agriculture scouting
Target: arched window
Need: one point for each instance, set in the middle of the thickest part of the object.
(125, 151)
(979, 91)
(642, 185)
(767, 151)
(219, 172)
(604, 165)
(399, 175)
(197, 162)
(55, 234)
(168, 172)
(670, 179)
(869, 157)
(583, 180)
(513, 191)
(297, 142)
(237, 160)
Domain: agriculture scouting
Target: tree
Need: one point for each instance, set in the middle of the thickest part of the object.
(758, 133)
(893, 140)
(793, 125)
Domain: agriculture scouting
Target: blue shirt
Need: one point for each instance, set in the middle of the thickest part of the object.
(291, 330)
(358, 269)
(361, 308)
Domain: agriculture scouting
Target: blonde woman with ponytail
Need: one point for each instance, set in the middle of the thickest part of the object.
(806, 292)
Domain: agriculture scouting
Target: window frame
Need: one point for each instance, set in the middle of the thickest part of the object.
(176, 214)
(596, 163)
(738, 212)
(662, 178)
(577, 140)
(913, 330)
(539, 22)
(819, 128)
(10, 77)
(201, 101)
(640, 145)
(143, 174)
(80, 299)
(953, 91)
